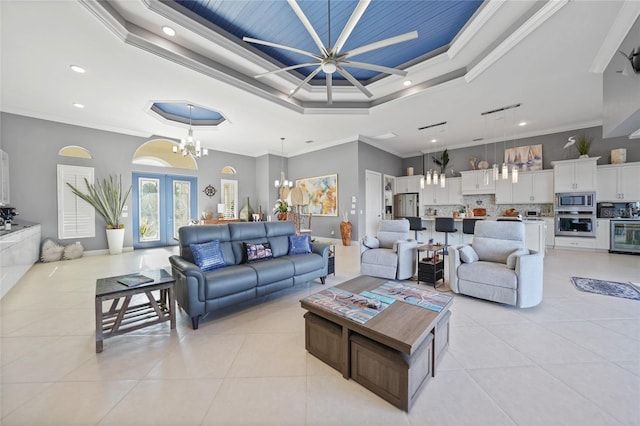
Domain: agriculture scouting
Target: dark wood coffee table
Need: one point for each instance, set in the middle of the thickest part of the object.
(125, 317)
(393, 354)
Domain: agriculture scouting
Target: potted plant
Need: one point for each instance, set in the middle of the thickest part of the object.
(108, 198)
(281, 209)
(462, 211)
(583, 145)
(442, 161)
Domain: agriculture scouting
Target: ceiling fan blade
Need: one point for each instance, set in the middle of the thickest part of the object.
(306, 80)
(373, 67)
(292, 67)
(355, 82)
(303, 18)
(280, 46)
(351, 24)
(329, 88)
(382, 43)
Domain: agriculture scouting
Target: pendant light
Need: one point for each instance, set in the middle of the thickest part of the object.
(514, 169)
(190, 146)
(282, 182)
(422, 177)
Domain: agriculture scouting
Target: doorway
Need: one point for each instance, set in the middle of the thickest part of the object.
(373, 194)
(161, 205)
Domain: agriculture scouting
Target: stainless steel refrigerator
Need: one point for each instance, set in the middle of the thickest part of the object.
(405, 205)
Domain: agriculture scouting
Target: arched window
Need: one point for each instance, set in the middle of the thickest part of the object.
(159, 152)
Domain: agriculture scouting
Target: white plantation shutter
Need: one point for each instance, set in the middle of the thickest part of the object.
(76, 218)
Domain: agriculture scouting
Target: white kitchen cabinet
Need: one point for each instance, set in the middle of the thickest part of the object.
(575, 242)
(406, 184)
(619, 182)
(535, 235)
(435, 195)
(550, 238)
(602, 234)
(19, 250)
(504, 191)
(534, 188)
(575, 175)
(473, 182)
(4, 179)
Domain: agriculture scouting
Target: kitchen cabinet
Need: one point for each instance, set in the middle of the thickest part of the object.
(473, 182)
(535, 235)
(504, 191)
(406, 184)
(19, 250)
(550, 237)
(618, 182)
(4, 179)
(534, 188)
(435, 195)
(575, 242)
(575, 175)
(602, 234)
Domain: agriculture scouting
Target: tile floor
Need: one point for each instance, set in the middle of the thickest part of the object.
(573, 360)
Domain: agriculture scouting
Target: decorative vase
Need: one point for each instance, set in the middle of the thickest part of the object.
(246, 213)
(282, 216)
(115, 240)
(345, 233)
(584, 156)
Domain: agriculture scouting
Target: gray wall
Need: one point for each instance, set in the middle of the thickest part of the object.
(338, 159)
(33, 146)
(552, 149)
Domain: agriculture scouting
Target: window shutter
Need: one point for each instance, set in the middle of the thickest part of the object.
(76, 217)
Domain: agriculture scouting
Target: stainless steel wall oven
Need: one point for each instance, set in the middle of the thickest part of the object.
(575, 214)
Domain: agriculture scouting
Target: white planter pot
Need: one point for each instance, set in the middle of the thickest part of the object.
(115, 239)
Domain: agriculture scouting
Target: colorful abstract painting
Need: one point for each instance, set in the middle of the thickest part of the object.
(323, 194)
(527, 158)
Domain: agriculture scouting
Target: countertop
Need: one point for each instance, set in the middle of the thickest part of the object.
(459, 219)
(18, 225)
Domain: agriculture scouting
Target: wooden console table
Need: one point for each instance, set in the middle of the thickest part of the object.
(124, 317)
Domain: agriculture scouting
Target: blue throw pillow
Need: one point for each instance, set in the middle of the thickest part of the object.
(299, 244)
(208, 256)
(255, 252)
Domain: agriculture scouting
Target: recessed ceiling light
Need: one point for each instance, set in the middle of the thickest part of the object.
(77, 105)
(407, 82)
(77, 68)
(309, 141)
(522, 123)
(434, 140)
(292, 90)
(168, 31)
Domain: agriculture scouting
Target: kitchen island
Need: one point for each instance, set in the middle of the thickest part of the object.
(19, 249)
(535, 230)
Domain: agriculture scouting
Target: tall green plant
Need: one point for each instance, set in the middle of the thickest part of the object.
(107, 198)
(583, 144)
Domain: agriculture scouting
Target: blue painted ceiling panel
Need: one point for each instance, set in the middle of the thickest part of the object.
(182, 110)
(437, 23)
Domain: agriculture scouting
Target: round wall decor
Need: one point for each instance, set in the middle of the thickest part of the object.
(209, 190)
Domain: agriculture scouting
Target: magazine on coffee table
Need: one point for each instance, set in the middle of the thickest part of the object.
(352, 306)
(424, 298)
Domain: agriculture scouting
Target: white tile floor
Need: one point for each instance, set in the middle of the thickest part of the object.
(573, 360)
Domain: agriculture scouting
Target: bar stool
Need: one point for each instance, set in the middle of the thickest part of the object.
(415, 224)
(469, 225)
(446, 225)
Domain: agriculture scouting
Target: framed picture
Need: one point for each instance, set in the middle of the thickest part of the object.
(528, 158)
(323, 194)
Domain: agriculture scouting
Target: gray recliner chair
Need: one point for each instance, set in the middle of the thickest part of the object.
(392, 254)
(497, 266)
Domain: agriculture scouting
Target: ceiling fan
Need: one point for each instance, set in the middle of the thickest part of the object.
(332, 59)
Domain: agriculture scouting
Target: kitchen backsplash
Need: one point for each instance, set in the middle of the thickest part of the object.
(488, 202)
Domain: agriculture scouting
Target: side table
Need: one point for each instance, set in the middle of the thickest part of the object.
(431, 267)
(124, 317)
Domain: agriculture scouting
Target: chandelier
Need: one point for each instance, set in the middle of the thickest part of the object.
(189, 146)
(282, 182)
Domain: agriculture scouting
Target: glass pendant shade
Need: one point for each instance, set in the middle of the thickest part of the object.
(496, 173)
(429, 177)
(505, 171)
(485, 177)
(421, 182)
(442, 184)
(435, 178)
(514, 174)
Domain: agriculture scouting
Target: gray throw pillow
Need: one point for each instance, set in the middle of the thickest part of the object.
(371, 242)
(513, 257)
(468, 254)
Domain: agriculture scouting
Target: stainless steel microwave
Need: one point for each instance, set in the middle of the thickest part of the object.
(575, 201)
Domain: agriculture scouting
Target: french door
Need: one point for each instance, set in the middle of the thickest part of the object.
(161, 205)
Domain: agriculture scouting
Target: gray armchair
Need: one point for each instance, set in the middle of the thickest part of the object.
(392, 254)
(497, 266)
